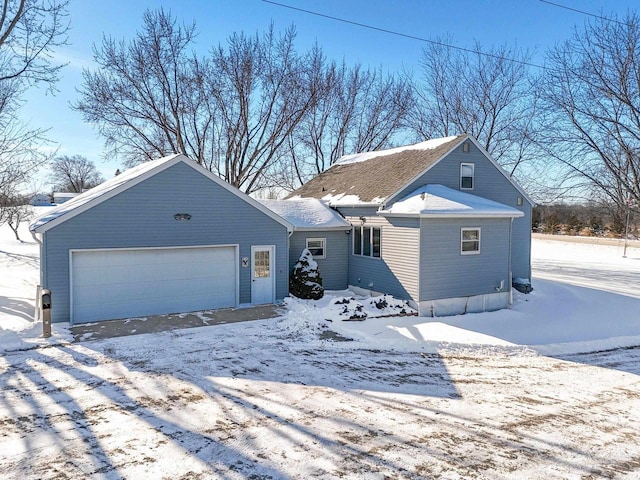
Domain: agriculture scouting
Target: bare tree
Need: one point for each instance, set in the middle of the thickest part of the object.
(592, 103)
(138, 98)
(14, 209)
(74, 174)
(262, 89)
(485, 93)
(29, 31)
(356, 110)
(230, 111)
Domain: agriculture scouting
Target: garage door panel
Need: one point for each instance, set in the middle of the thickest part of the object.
(124, 283)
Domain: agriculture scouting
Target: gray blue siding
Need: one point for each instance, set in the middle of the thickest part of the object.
(446, 273)
(334, 268)
(396, 271)
(488, 183)
(142, 216)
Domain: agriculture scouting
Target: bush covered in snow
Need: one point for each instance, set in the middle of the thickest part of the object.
(305, 281)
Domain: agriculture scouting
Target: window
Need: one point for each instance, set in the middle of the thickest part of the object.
(469, 241)
(466, 176)
(261, 268)
(366, 241)
(317, 247)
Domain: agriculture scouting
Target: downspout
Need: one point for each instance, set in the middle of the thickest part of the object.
(510, 272)
(35, 237)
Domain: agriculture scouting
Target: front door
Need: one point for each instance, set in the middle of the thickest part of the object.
(262, 275)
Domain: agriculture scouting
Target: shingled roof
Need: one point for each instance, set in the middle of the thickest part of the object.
(372, 177)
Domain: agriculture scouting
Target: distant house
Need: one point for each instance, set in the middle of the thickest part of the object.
(438, 223)
(40, 200)
(61, 197)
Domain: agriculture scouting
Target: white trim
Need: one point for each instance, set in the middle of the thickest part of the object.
(272, 269)
(324, 246)
(462, 138)
(473, 175)
(353, 236)
(390, 198)
(236, 248)
(462, 240)
(453, 215)
(169, 162)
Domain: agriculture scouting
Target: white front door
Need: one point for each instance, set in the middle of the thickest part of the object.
(262, 274)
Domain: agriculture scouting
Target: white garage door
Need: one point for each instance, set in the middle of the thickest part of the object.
(108, 284)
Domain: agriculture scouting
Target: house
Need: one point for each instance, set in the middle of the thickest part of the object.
(62, 197)
(166, 236)
(438, 223)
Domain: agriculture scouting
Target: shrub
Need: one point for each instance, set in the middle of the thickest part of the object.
(305, 281)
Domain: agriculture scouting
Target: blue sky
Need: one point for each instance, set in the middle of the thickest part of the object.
(534, 25)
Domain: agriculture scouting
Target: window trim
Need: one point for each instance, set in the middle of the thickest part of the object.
(473, 175)
(462, 240)
(324, 246)
(371, 229)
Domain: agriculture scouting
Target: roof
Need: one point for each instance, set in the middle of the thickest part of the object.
(128, 179)
(307, 214)
(438, 201)
(371, 177)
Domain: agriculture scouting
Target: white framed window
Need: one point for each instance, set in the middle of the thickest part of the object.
(467, 176)
(470, 241)
(367, 241)
(317, 247)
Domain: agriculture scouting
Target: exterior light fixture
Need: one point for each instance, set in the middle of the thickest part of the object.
(182, 216)
(363, 220)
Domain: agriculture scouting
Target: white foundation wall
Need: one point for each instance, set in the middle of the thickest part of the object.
(457, 306)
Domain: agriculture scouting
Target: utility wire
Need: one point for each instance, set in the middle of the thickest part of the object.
(582, 12)
(399, 34)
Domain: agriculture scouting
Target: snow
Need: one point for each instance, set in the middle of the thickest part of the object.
(438, 200)
(99, 191)
(308, 395)
(363, 157)
(307, 213)
(19, 276)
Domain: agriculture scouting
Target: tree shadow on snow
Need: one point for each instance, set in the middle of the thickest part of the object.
(17, 308)
(205, 409)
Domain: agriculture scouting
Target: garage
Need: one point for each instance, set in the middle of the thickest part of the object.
(121, 283)
(166, 236)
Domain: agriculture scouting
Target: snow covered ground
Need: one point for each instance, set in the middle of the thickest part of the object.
(509, 394)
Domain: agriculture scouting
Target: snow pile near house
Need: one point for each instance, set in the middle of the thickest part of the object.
(362, 157)
(440, 200)
(19, 276)
(307, 213)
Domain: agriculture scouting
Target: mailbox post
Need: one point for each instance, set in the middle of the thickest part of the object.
(46, 313)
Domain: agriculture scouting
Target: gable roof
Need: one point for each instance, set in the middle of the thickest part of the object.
(371, 177)
(128, 179)
(308, 214)
(438, 201)
(376, 178)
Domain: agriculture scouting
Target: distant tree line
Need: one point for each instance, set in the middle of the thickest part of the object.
(589, 219)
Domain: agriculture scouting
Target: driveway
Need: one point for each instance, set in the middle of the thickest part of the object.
(250, 400)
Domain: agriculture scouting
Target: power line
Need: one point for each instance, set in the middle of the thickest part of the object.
(399, 34)
(582, 12)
